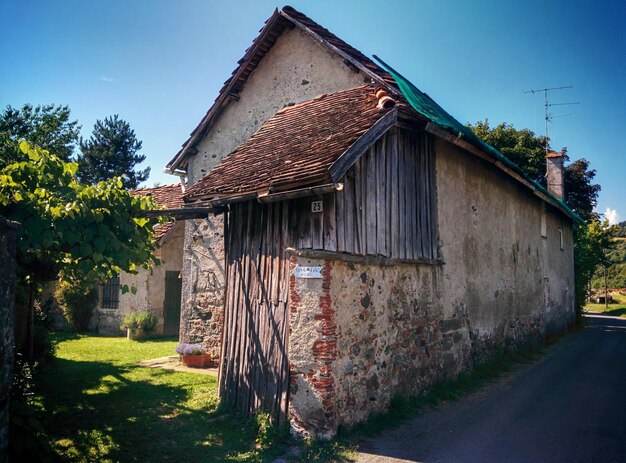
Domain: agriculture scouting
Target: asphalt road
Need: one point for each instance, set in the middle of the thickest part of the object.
(570, 406)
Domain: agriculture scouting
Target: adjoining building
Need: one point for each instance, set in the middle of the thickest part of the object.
(158, 289)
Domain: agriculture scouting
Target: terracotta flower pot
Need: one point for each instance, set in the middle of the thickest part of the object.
(198, 361)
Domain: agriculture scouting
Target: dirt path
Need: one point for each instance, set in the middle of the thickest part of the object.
(568, 407)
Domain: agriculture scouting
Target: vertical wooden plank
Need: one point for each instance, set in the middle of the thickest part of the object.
(340, 218)
(425, 237)
(330, 223)
(412, 173)
(358, 208)
(370, 200)
(432, 190)
(363, 206)
(381, 190)
(305, 222)
(395, 192)
(317, 222)
(402, 194)
(387, 191)
(349, 213)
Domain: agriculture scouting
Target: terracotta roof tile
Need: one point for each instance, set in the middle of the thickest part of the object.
(296, 146)
(166, 196)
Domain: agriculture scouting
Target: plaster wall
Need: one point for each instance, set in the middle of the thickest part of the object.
(150, 285)
(171, 255)
(295, 69)
(364, 333)
(500, 270)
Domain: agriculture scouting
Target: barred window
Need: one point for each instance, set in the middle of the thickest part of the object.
(111, 293)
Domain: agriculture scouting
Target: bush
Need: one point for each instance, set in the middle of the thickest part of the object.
(78, 302)
(142, 320)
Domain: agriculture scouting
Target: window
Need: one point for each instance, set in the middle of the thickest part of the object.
(111, 293)
(561, 238)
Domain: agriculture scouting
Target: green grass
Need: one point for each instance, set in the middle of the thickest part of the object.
(99, 405)
(616, 310)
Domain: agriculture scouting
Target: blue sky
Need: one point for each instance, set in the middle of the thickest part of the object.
(159, 64)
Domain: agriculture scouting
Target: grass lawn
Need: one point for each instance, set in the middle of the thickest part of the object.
(617, 310)
(98, 405)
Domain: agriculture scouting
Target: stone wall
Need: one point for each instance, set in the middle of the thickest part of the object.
(202, 311)
(365, 333)
(7, 320)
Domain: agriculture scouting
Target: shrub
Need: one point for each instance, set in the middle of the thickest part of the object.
(184, 348)
(141, 320)
(78, 302)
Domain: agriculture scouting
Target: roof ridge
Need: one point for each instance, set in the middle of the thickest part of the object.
(262, 43)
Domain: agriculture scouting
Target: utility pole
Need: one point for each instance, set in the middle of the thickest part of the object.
(548, 117)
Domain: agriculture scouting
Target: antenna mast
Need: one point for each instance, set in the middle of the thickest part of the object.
(547, 105)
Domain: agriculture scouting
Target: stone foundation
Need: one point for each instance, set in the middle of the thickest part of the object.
(364, 334)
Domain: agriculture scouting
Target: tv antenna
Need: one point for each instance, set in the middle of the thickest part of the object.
(548, 117)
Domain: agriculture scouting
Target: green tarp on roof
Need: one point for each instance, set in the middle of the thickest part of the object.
(428, 108)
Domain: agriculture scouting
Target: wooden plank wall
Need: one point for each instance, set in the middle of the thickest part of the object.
(386, 207)
(254, 368)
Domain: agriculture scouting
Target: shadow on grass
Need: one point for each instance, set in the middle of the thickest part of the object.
(94, 412)
(619, 312)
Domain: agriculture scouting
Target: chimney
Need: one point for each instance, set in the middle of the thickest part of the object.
(554, 174)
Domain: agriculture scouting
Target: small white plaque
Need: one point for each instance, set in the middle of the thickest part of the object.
(307, 272)
(316, 206)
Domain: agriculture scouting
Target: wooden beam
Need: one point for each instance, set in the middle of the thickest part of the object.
(359, 259)
(180, 214)
(301, 193)
(339, 168)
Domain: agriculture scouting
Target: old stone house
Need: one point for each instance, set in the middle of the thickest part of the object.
(363, 243)
(158, 289)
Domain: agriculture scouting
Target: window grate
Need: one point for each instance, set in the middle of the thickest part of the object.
(111, 293)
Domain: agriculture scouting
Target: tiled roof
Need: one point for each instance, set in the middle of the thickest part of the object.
(167, 197)
(288, 17)
(296, 146)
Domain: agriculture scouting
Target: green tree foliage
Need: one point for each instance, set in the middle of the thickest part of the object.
(592, 243)
(78, 300)
(46, 126)
(523, 147)
(87, 232)
(528, 151)
(110, 152)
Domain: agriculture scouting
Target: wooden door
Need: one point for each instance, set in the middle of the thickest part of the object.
(254, 371)
(171, 309)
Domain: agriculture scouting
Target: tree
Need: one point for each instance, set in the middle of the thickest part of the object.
(527, 150)
(111, 151)
(523, 147)
(46, 126)
(81, 232)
